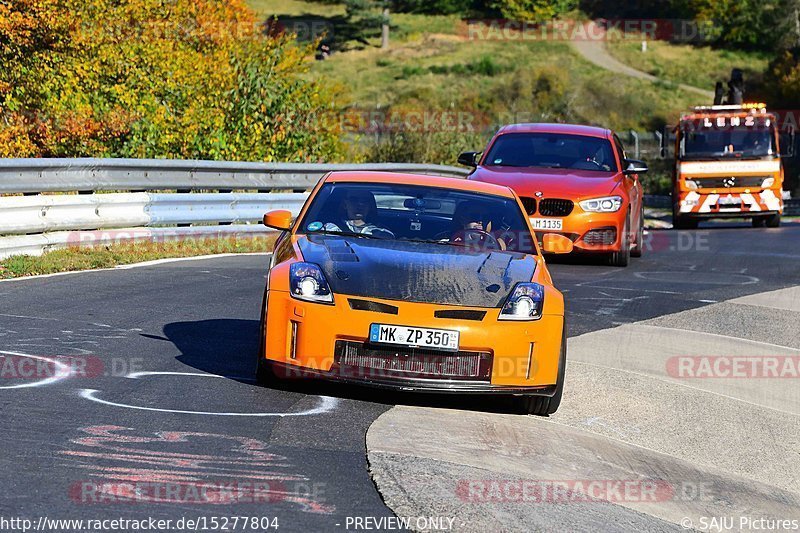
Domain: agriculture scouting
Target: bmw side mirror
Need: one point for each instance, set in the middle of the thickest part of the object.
(469, 159)
(634, 166)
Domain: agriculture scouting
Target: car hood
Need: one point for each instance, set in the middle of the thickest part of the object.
(551, 182)
(417, 272)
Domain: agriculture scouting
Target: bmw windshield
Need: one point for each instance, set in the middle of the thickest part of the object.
(552, 150)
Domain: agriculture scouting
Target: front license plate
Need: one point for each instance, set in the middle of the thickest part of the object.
(730, 201)
(547, 223)
(441, 339)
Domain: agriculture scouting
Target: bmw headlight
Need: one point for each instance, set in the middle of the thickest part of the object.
(307, 282)
(607, 204)
(525, 303)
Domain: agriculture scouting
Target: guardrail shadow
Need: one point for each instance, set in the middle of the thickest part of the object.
(229, 347)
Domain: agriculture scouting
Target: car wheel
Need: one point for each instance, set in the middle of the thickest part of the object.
(547, 405)
(639, 249)
(774, 221)
(623, 256)
(265, 375)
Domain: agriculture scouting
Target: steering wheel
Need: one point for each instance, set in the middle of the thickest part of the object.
(475, 237)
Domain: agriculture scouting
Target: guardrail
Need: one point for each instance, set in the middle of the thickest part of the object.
(67, 175)
(33, 223)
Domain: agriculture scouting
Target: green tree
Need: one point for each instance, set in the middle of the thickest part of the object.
(148, 78)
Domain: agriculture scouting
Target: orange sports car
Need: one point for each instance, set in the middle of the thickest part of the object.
(415, 283)
(573, 180)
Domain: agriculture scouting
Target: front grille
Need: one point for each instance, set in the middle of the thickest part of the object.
(553, 207)
(529, 204)
(366, 360)
(729, 182)
(603, 236)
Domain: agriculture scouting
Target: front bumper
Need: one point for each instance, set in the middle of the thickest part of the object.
(582, 228)
(729, 203)
(305, 340)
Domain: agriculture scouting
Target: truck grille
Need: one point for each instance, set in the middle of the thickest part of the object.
(365, 360)
(553, 207)
(729, 182)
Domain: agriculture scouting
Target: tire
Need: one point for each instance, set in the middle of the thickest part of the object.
(265, 375)
(639, 249)
(758, 222)
(623, 256)
(547, 405)
(774, 221)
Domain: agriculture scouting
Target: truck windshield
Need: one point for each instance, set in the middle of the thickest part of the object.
(740, 142)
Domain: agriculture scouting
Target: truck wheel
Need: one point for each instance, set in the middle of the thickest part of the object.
(547, 405)
(758, 222)
(639, 249)
(623, 257)
(774, 221)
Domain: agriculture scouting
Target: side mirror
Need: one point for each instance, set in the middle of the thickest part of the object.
(280, 220)
(553, 243)
(469, 159)
(787, 142)
(634, 166)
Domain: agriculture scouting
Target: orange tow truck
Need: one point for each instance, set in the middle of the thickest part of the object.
(728, 164)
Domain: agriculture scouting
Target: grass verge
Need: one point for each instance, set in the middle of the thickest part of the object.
(74, 258)
(699, 66)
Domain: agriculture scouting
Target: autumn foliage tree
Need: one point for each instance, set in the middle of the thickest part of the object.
(157, 78)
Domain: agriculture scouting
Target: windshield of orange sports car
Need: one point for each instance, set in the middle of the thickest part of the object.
(552, 150)
(417, 213)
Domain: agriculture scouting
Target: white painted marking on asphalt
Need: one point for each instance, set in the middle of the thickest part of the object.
(326, 405)
(136, 265)
(709, 301)
(678, 277)
(136, 375)
(62, 371)
(629, 289)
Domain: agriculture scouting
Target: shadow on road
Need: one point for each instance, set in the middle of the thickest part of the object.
(228, 347)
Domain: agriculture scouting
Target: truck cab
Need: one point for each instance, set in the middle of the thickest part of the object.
(728, 164)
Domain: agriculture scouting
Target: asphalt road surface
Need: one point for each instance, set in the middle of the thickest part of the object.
(160, 390)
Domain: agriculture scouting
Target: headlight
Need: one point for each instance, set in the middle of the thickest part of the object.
(767, 183)
(607, 204)
(525, 303)
(691, 184)
(307, 282)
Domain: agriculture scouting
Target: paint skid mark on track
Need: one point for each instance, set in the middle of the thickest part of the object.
(125, 467)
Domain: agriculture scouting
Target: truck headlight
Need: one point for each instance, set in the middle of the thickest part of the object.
(307, 282)
(606, 204)
(767, 183)
(525, 302)
(691, 185)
